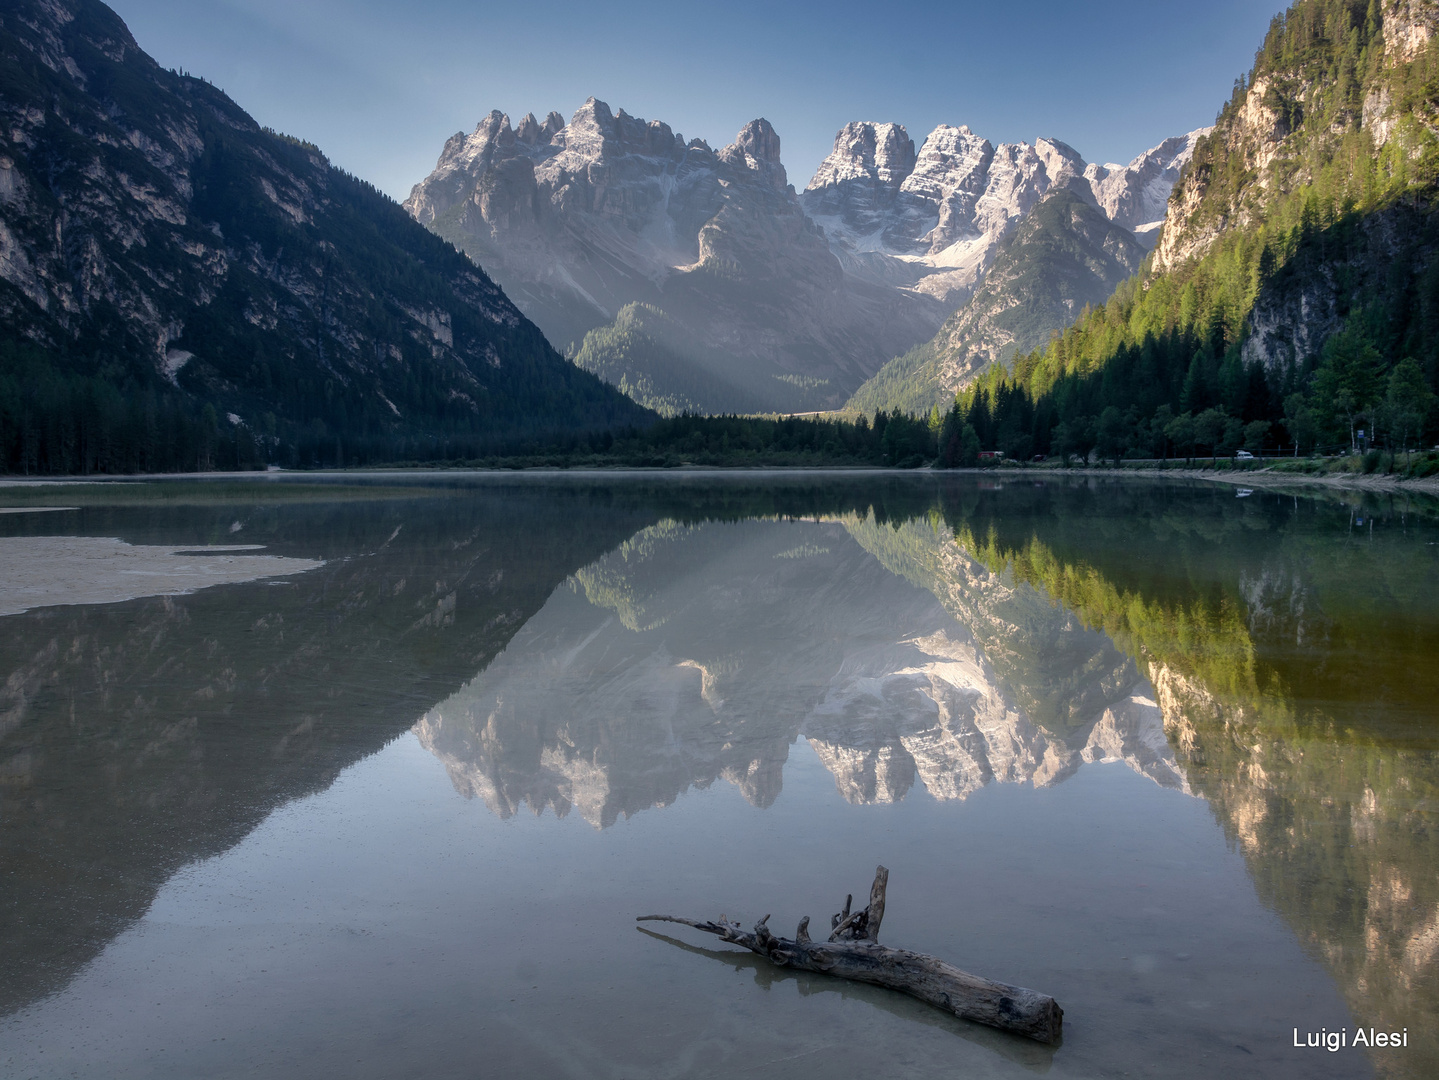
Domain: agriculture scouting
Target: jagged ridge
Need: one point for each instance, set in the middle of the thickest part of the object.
(579, 221)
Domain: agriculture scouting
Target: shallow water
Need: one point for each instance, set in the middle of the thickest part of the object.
(1163, 752)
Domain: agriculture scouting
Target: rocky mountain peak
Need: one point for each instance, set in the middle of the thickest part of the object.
(951, 158)
(759, 141)
(861, 177)
(494, 130)
(528, 130)
(1137, 195)
(868, 152)
(493, 140)
(950, 174)
(533, 133)
(595, 134)
(756, 148)
(1062, 164)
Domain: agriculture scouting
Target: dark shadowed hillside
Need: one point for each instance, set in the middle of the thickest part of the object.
(180, 288)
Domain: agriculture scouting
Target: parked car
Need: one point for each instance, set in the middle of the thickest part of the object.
(1243, 455)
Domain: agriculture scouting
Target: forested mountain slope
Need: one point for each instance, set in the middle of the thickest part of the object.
(1294, 294)
(180, 288)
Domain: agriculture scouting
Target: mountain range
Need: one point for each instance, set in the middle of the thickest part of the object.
(700, 279)
(583, 221)
(181, 288)
(933, 221)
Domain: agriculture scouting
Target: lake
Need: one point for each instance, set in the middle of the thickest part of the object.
(371, 775)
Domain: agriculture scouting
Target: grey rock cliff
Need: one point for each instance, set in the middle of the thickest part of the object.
(1275, 136)
(1063, 255)
(936, 227)
(1265, 138)
(580, 220)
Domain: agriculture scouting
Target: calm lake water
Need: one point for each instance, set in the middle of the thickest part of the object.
(380, 789)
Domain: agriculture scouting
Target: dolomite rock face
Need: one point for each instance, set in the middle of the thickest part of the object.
(1136, 195)
(861, 179)
(783, 301)
(936, 228)
(1261, 134)
(1277, 133)
(579, 220)
(1408, 26)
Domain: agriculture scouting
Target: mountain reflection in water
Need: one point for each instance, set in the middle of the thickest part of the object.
(1267, 656)
(1292, 644)
(603, 646)
(138, 737)
(701, 652)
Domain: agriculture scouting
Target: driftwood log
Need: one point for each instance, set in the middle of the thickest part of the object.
(852, 951)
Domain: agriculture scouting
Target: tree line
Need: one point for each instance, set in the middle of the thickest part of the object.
(1148, 402)
(57, 419)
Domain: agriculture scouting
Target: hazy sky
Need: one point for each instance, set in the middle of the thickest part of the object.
(380, 86)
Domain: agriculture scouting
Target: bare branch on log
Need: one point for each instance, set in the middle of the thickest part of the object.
(862, 925)
(859, 956)
(874, 913)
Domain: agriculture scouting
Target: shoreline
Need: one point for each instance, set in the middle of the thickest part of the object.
(1266, 478)
(1261, 477)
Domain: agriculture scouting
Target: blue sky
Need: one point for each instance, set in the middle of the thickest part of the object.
(380, 86)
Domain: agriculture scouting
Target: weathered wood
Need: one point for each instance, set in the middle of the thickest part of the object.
(875, 911)
(853, 952)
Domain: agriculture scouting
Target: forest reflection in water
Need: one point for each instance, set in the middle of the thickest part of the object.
(605, 646)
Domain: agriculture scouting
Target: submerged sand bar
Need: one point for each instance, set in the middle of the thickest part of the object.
(42, 571)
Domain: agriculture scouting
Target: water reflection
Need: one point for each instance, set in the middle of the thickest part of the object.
(1270, 657)
(138, 737)
(1292, 647)
(696, 653)
(604, 647)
